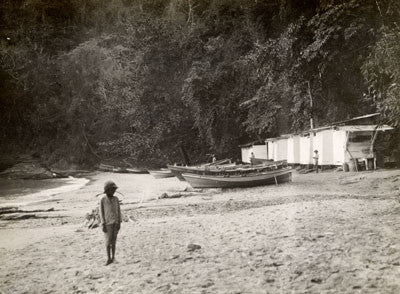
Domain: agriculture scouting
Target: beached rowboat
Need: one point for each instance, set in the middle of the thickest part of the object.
(105, 167)
(132, 170)
(123, 170)
(201, 169)
(224, 169)
(161, 174)
(178, 170)
(234, 181)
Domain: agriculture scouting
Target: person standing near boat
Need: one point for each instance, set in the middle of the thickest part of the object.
(110, 218)
(316, 157)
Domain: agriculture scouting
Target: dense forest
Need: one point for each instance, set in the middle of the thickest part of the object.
(155, 81)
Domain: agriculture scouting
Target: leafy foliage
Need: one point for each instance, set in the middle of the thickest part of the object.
(153, 81)
(382, 72)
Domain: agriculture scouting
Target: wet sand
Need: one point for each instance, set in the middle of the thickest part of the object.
(322, 233)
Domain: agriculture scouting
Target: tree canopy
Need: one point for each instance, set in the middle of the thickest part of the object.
(153, 81)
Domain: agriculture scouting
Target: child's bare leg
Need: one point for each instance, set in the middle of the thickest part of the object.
(108, 246)
(109, 260)
(113, 250)
(113, 245)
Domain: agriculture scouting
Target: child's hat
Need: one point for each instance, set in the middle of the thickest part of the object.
(108, 185)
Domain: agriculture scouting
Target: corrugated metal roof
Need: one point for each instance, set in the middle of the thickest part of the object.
(360, 128)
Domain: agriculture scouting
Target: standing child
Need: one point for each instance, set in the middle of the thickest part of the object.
(316, 157)
(110, 217)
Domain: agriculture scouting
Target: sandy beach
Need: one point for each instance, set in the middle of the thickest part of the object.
(322, 233)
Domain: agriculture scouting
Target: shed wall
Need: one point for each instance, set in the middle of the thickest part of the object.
(246, 152)
(270, 149)
(339, 146)
(260, 151)
(304, 150)
(293, 149)
(327, 147)
(281, 149)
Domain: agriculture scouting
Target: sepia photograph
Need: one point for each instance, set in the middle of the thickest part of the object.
(200, 146)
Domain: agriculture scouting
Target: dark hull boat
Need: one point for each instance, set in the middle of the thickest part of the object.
(272, 177)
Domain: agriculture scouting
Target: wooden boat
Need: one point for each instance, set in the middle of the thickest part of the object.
(132, 170)
(106, 167)
(124, 170)
(200, 169)
(239, 180)
(218, 162)
(225, 169)
(257, 161)
(161, 174)
(120, 170)
(177, 171)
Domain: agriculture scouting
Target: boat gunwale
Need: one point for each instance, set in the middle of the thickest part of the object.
(248, 176)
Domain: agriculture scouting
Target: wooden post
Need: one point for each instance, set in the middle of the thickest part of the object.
(348, 151)
(311, 125)
(311, 105)
(375, 134)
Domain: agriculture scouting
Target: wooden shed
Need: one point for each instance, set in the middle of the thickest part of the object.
(259, 150)
(277, 148)
(304, 148)
(336, 145)
(293, 149)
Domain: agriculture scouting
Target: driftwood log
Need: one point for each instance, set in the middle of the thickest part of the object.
(92, 219)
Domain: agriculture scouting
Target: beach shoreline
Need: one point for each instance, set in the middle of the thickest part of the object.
(332, 232)
(43, 191)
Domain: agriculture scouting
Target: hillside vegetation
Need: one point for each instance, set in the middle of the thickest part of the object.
(155, 81)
